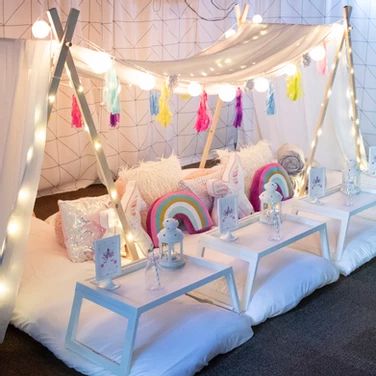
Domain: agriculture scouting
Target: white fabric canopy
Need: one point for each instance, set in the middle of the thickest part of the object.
(254, 50)
(23, 116)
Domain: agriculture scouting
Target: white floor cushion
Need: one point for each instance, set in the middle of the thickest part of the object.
(177, 338)
(360, 244)
(282, 280)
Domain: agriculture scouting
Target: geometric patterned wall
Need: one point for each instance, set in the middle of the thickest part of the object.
(167, 30)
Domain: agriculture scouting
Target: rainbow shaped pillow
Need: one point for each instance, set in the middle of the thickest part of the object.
(185, 206)
(271, 172)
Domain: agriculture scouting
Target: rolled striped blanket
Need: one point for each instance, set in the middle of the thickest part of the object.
(291, 157)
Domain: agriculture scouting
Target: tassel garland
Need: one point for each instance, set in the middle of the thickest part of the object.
(111, 98)
(154, 102)
(164, 116)
(294, 86)
(270, 102)
(77, 121)
(203, 117)
(238, 109)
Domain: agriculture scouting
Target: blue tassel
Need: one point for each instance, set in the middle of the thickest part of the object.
(270, 103)
(154, 103)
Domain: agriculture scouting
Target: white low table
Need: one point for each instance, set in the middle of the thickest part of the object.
(132, 299)
(333, 205)
(253, 243)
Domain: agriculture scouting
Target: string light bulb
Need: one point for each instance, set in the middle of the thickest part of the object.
(317, 53)
(229, 33)
(13, 227)
(227, 93)
(23, 195)
(290, 69)
(40, 29)
(146, 82)
(194, 89)
(261, 84)
(257, 18)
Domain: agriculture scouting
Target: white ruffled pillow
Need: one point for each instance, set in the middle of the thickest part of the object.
(80, 223)
(251, 157)
(154, 178)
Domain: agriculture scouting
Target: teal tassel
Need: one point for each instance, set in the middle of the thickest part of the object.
(111, 97)
(270, 103)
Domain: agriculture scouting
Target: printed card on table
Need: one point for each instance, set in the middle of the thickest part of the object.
(227, 213)
(107, 258)
(372, 160)
(317, 182)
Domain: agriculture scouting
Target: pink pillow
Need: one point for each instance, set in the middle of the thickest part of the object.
(271, 172)
(182, 205)
(59, 230)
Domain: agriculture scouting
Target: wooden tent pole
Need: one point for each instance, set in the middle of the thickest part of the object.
(94, 137)
(355, 115)
(324, 107)
(211, 132)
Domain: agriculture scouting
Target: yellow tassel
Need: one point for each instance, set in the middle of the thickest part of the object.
(165, 115)
(294, 86)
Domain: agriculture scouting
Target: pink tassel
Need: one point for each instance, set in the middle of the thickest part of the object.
(238, 109)
(77, 121)
(203, 117)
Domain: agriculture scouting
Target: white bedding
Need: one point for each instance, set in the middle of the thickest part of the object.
(282, 280)
(177, 338)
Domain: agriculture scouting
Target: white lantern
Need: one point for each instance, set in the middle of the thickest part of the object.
(257, 18)
(194, 89)
(40, 29)
(270, 204)
(227, 93)
(171, 245)
(318, 53)
(146, 81)
(261, 84)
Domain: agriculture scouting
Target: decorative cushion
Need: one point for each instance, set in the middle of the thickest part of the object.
(55, 221)
(155, 178)
(291, 158)
(271, 172)
(182, 205)
(196, 182)
(133, 204)
(233, 178)
(251, 157)
(80, 228)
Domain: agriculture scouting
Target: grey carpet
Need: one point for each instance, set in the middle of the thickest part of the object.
(332, 332)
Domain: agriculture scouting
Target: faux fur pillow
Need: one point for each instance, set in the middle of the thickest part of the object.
(196, 183)
(155, 179)
(251, 157)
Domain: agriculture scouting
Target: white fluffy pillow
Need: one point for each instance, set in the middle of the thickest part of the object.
(154, 179)
(251, 157)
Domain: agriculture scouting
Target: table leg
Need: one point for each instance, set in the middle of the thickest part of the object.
(232, 290)
(342, 236)
(325, 252)
(130, 337)
(73, 320)
(252, 268)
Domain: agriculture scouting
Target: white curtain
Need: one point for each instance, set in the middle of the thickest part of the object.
(23, 117)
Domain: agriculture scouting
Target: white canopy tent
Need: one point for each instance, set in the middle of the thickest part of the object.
(231, 61)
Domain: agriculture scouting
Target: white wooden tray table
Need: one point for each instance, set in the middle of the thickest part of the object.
(132, 299)
(254, 242)
(333, 205)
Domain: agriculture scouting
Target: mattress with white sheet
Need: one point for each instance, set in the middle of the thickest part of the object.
(282, 280)
(176, 338)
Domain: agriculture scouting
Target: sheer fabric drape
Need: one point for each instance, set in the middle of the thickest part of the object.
(23, 114)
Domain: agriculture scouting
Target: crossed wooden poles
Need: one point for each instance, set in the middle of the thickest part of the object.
(65, 60)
